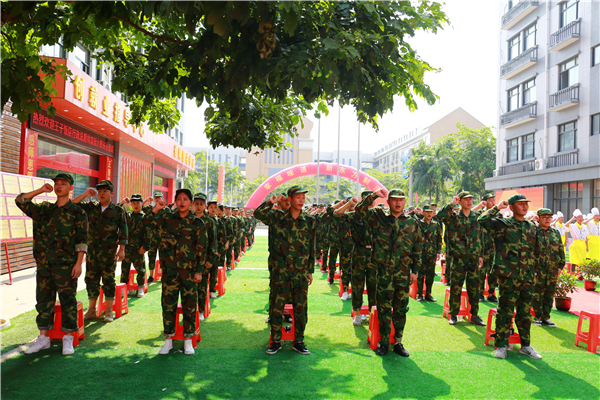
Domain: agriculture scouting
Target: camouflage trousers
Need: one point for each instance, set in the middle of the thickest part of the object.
(203, 291)
(492, 280)
(325, 257)
(333, 255)
(363, 269)
(239, 246)
(288, 284)
(133, 256)
(174, 283)
(152, 252)
(543, 294)
(101, 266)
(465, 270)
(346, 252)
(426, 274)
(392, 302)
(50, 280)
(214, 272)
(449, 264)
(229, 255)
(514, 293)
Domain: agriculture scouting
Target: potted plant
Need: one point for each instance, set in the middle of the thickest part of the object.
(565, 285)
(590, 269)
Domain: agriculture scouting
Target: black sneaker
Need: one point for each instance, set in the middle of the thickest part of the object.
(150, 279)
(330, 281)
(476, 320)
(537, 322)
(288, 319)
(481, 299)
(549, 323)
(429, 298)
(274, 348)
(419, 298)
(447, 283)
(453, 320)
(493, 299)
(382, 349)
(399, 349)
(301, 348)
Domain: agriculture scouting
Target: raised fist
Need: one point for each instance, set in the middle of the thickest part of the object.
(382, 193)
(502, 205)
(47, 188)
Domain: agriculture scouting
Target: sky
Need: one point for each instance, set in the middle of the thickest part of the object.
(466, 51)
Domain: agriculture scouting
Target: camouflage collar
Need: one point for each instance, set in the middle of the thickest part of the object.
(288, 214)
(67, 205)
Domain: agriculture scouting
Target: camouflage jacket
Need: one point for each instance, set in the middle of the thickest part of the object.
(139, 235)
(464, 233)
(108, 228)
(59, 233)
(183, 240)
(398, 242)
(222, 236)
(516, 245)
(552, 252)
(361, 233)
(230, 228)
(292, 238)
(323, 225)
(432, 237)
(212, 252)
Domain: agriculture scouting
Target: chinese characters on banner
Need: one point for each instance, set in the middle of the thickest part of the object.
(28, 158)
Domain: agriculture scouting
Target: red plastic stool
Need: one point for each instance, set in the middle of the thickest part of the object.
(512, 339)
(133, 286)
(207, 304)
(486, 291)
(232, 266)
(443, 275)
(57, 333)
(288, 332)
(465, 306)
(221, 278)
(179, 326)
(157, 272)
(413, 290)
(374, 337)
(120, 306)
(364, 310)
(591, 337)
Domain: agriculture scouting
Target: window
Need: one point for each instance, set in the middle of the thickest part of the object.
(528, 150)
(513, 150)
(568, 196)
(219, 158)
(568, 73)
(595, 124)
(513, 98)
(343, 161)
(350, 162)
(596, 56)
(235, 159)
(514, 47)
(529, 37)
(529, 92)
(569, 12)
(81, 58)
(596, 193)
(567, 136)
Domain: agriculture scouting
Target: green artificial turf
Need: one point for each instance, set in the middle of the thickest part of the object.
(120, 360)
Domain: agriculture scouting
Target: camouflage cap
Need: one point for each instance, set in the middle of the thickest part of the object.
(433, 204)
(105, 184)
(544, 211)
(226, 206)
(488, 196)
(284, 194)
(516, 198)
(427, 207)
(199, 196)
(396, 194)
(464, 195)
(187, 192)
(213, 201)
(348, 198)
(295, 190)
(366, 193)
(136, 197)
(64, 177)
(158, 194)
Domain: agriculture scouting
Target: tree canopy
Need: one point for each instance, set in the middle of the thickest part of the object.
(258, 65)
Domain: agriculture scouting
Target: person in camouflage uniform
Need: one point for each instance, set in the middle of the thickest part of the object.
(334, 247)
(516, 252)
(489, 251)
(221, 242)
(223, 234)
(548, 265)
(294, 258)
(184, 240)
(283, 204)
(398, 244)
(239, 234)
(346, 244)
(432, 246)
(154, 235)
(230, 225)
(108, 236)
(60, 237)
(447, 241)
(139, 236)
(211, 266)
(464, 233)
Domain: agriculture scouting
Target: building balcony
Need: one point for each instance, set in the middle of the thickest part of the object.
(519, 63)
(565, 98)
(519, 116)
(517, 13)
(564, 159)
(510, 169)
(565, 36)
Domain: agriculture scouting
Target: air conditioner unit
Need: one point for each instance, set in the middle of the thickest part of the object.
(540, 164)
(495, 173)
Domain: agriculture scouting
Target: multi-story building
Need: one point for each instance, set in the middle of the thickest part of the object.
(549, 99)
(393, 157)
(347, 157)
(228, 155)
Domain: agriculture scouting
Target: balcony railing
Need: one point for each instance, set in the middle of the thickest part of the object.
(565, 36)
(519, 116)
(519, 63)
(562, 160)
(564, 98)
(518, 12)
(526, 166)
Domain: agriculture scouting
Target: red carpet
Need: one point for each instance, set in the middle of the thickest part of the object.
(584, 300)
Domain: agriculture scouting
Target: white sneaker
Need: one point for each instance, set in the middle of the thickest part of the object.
(167, 347)
(500, 352)
(357, 320)
(108, 316)
(42, 343)
(140, 293)
(188, 348)
(345, 296)
(68, 344)
(363, 317)
(529, 351)
(202, 317)
(213, 295)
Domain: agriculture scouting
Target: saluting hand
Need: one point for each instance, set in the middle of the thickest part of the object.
(382, 193)
(456, 200)
(353, 201)
(419, 210)
(91, 192)
(47, 188)
(159, 206)
(502, 205)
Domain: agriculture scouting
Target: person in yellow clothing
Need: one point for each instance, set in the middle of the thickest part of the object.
(593, 226)
(579, 233)
(561, 227)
